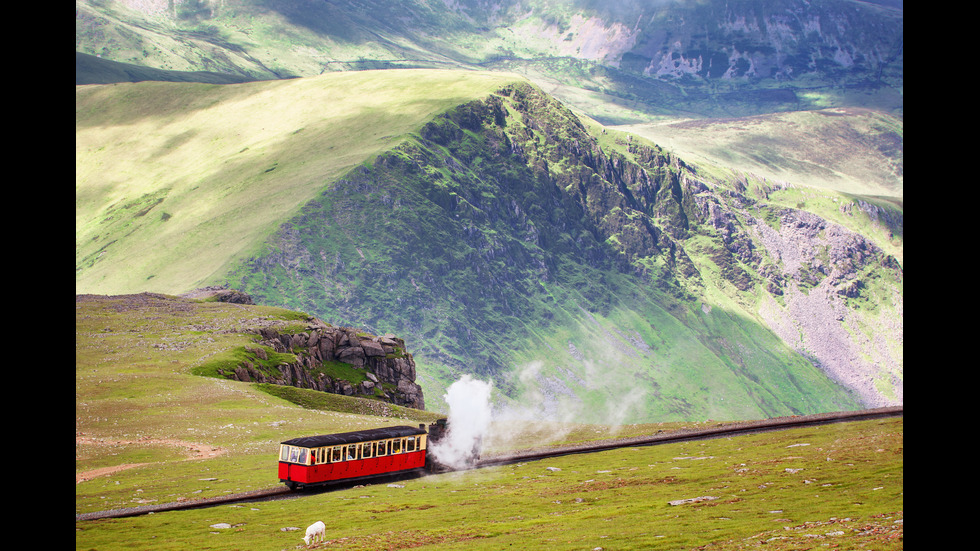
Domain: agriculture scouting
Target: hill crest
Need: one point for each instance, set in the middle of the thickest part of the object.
(192, 163)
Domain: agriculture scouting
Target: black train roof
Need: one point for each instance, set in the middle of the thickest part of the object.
(354, 437)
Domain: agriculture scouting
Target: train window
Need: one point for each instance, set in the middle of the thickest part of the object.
(382, 448)
(352, 451)
(337, 455)
(368, 450)
(409, 444)
(396, 446)
(302, 456)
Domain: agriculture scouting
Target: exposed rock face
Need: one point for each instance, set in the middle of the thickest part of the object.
(817, 266)
(389, 371)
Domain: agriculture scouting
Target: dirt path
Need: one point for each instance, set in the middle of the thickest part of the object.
(195, 451)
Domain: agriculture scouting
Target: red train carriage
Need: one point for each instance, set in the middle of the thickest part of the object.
(313, 460)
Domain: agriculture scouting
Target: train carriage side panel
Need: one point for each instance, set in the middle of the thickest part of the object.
(321, 459)
(328, 472)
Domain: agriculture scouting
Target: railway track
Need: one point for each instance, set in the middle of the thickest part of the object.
(256, 495)
(721, 430)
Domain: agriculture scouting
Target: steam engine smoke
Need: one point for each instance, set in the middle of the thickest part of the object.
(469, 421)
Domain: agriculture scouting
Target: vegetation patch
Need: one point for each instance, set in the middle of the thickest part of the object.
(224, 364)
(324, 401)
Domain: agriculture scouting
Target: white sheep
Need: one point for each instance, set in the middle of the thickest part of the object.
(316, 530)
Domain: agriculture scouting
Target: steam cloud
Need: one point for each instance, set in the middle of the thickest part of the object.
(548, 408)
(469, 422)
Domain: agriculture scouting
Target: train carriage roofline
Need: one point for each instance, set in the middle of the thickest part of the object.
(354, 437)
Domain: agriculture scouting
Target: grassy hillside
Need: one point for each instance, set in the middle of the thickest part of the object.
(175, 183)
(139, 414)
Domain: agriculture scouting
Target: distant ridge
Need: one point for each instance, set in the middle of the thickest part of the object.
(90, 69)
(619, 62)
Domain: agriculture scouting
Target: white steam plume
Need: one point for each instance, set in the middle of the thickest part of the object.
(553, 402)
(469, 421)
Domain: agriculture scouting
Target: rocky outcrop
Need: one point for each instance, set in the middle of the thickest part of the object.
(339, 360)
(219, 293)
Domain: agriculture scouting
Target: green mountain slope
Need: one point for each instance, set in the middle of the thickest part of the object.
(505, 237)
(510, 241)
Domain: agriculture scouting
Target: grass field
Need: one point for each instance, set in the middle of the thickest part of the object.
(835, 486)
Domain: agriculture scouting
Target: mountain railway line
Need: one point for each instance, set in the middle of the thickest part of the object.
(720, 430)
